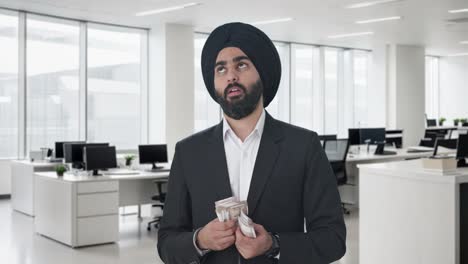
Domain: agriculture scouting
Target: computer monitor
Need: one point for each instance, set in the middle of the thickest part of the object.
(73, 152)
(372, 135)
(354, 136)
(462, 150)
(59, 153)
(99, 158)
(431, 122)
(446, 143)
(152, 154)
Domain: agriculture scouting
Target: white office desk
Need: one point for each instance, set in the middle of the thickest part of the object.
(349, 192)
(411, 215)
(84, 210)
(22, 183)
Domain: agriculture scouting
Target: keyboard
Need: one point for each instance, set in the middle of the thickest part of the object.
(120, 172)
(419, 149)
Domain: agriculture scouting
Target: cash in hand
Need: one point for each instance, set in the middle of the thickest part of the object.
(233, 209)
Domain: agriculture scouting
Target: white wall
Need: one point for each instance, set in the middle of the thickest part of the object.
(453, 88)
(406, 91)
(5, 177)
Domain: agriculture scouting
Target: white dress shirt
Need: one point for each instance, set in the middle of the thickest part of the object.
(241, 156)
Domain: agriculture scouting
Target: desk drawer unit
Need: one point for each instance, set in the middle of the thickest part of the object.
(97, 204)
(97, 230)
(97, 208)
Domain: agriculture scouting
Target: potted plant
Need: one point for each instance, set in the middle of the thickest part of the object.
(60, 169)
(463, 121)
(456, 121)
(441, 121)
(128, 160)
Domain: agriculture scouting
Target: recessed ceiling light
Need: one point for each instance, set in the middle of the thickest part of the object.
(167, 9)
(378, 20)
(279, 20)
(458, 54)
(351, 35)
(458, 11)
(371, 3)
(464, 42)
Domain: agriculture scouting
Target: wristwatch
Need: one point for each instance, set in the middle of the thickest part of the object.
(275, 246)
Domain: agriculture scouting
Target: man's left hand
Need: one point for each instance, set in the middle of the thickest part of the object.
(253, 247)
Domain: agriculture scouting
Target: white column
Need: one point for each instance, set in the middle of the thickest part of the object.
(171, 82)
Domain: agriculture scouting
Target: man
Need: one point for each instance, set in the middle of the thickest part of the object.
(281, 170)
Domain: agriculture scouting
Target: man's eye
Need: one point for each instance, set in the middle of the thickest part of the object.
(242, 65)
(220, 70)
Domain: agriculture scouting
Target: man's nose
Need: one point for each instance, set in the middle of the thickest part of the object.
(232, 77)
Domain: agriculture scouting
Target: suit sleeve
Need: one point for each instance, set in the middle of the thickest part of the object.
(175, 236)
(325, 239)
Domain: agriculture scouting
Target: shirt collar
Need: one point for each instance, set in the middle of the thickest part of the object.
(258, 127)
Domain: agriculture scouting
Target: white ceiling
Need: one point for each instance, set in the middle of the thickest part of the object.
(424, 21)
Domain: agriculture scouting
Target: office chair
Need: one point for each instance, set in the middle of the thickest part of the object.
(430, 138)
(394, 138)
(446, 143)
(431, 122)
(159, 199)
(324, 138)
(337, 151)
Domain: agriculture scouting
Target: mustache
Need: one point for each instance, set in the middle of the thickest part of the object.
(235, 84)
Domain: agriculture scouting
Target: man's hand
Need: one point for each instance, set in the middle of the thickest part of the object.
(217, 235)
(252, 247)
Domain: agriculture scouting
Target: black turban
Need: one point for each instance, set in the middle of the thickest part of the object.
(255, 44)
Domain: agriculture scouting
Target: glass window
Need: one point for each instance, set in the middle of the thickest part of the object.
(114, 86)
(303, 88)
(360, 73)
(52, 68)
(207, 111)
(9, 85)
(279, 107)
(432, 87)
(331, 91)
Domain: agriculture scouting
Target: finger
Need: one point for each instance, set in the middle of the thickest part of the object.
(223, 226)
(227, 240)
(221, 234)
(230, 224)
(259, 229)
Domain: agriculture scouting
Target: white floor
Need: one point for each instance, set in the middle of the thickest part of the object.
(19, 244)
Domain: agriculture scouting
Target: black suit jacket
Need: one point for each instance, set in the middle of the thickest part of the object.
(292, 181)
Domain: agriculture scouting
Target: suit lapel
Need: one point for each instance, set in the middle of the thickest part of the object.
(220, 174)
(267, 155)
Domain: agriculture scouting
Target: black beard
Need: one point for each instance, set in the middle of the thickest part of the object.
(240, 108)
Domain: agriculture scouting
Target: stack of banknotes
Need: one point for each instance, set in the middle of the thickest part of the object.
(233, 209)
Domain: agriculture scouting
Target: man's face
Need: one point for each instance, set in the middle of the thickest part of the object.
(237, 83)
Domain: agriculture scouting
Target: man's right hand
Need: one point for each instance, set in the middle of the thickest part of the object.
(217, 235)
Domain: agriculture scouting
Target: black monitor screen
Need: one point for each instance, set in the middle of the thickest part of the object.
(152, 153)
(99, 157)
(73, 152)
(354, 136)
(372, 135)
(446, 143)
(59, 149)
(462, 146)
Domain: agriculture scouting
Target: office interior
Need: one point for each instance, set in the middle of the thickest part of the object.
(112, 86)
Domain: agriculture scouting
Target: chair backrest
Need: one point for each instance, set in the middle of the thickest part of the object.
(336, 149)
(324, 138)
(397, 142)
(431, 122)
(159, 183)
